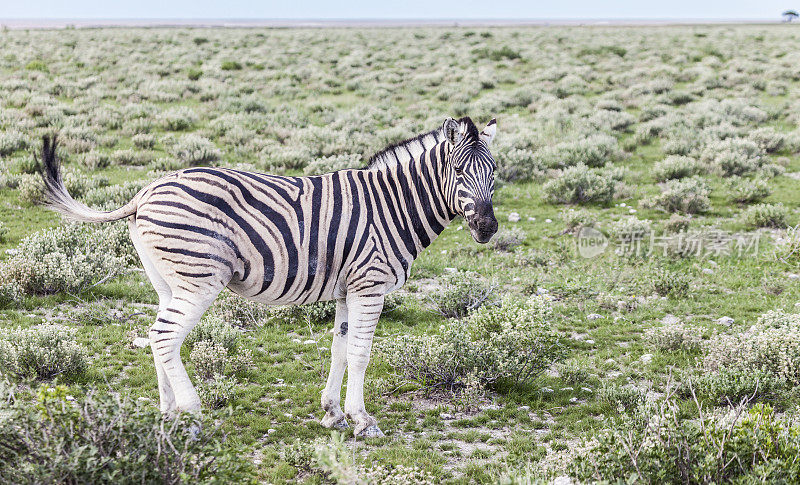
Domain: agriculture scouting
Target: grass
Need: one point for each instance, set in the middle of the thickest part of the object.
(426, 78)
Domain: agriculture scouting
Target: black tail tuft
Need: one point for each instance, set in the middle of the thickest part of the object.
(49, 166)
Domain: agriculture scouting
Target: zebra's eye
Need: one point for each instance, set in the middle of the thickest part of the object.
(459, 171)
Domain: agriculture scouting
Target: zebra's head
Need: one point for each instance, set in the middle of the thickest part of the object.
(469, 175)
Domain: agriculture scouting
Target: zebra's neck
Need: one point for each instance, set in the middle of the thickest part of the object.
(411, 175)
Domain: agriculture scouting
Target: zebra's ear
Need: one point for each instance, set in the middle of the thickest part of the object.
(452, 131)
(487, 135)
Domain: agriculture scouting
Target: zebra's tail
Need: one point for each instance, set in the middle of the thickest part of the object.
(58, 199)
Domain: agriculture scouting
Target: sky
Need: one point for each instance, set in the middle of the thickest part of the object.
(393, 9)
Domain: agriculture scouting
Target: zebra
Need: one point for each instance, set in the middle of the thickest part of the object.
(349, 235)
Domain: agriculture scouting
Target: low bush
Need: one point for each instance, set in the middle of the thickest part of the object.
(12, 141)
(733, 156)
(236, 310)
(664, 446)
(211, 358)
(41, 352)
(745, 190)
(214, 329)
(177, 119)
(787, 245)
(622, 398)
(772, 345)
(333, 163)
(676, 167)
(573, 371)
(513, 342)
(518, 164)
(732, 386)
(320, 312)
(675, 337)
(581, 185)
(67, 259)
(594, 151)
(460, 294)
(507, 239)
(677, 223)
(689, 196)
(195, 150)
(670, 283)
(102, 438)
(575, 219)
(766, 215)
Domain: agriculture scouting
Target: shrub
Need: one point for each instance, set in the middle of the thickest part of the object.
(218, 391)
(333, 163)
(195, 150)
(236, 310)
(733, 386)
(177, 119)
(3, 232)
(211, 358)
(216, 330)
(101, 438)
(677, 223)
(461, 293)
(507, 239)
(518, 164)
(66, 259)
(575, 219)
(573, 371)
(733, 156)
(787, 245)
(676, 167)
(580, 185)
(674, 337)
(623, 398)
(41, 352)
(768, 139)
(663, 446)
(513, 342)
(748, 190)
(144, 140)
(766, 215)
(12, 141)
(689, 196)
(298, 315)
(230, 66)
(670, 283)
(594, 151)
(771, 345)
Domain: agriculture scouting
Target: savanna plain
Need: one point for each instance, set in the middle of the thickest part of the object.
(634, 320)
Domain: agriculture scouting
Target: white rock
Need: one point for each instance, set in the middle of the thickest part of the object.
(632, 211)
(309, 342)
(542, 291)
(451, 270)
(547, 390)
(573, 399)
(548, 221)
(143, 399)
(563, 480)
(141, 342)
(460, 228)
(725, 321)
(567, 389)
(524, 408)
(623, 204)
(646, 358)
(446, 416)
(531, 219)
(707, 271)
(793, 276)
(256, 461)
(296, 340)
(594, 316)
(271, 430)
(444, 251)
(514, 217)
(586, 389)
(589, 341)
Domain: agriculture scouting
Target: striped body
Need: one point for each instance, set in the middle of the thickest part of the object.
(349, 235)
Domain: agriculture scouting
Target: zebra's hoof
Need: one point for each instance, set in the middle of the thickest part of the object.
(341, 425)
(371, 431)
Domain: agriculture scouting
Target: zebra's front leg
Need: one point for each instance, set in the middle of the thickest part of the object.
(331, 396)
(363, 314)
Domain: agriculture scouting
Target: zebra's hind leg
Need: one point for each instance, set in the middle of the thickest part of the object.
(332, 395)
(166, 337)
(363, 314)
(165, 394)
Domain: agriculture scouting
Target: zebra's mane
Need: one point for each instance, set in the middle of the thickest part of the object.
(400, 151)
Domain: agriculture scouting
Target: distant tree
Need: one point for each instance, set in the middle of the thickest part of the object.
(790, 15)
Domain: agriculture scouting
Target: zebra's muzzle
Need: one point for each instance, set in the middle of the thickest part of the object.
(482, 223)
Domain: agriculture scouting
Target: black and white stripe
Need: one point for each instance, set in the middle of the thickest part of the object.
(349, 235)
